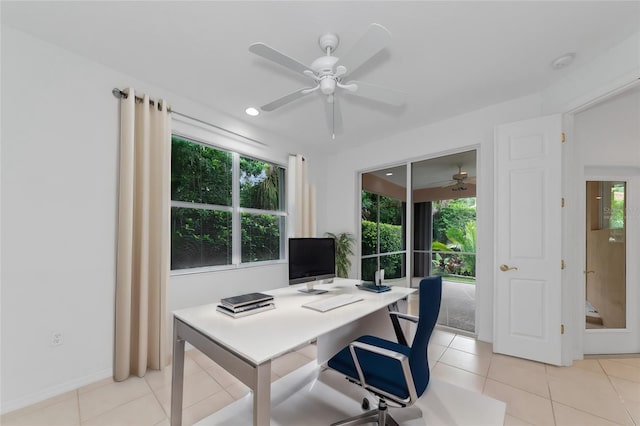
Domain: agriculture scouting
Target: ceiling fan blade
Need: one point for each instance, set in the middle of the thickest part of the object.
(286, 99)
(334, 116)
(444, 184)
(378, 93)
(373, 41)
(272, 54)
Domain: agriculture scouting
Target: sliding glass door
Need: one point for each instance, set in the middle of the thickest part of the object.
(439, 220)
(383, 226)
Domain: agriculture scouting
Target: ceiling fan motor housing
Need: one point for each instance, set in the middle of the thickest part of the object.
(324, 65)
(329, 41)
(460, 176)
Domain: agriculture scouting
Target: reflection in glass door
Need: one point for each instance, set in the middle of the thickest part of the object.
(605, 274)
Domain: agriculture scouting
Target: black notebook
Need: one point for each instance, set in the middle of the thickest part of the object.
(246, 299)
(369, 286)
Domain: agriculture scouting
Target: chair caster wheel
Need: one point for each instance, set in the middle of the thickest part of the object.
(365, 404)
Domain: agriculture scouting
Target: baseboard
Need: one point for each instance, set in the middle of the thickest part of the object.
(54, 391)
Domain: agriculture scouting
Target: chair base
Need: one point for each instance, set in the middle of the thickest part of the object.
(380, 416)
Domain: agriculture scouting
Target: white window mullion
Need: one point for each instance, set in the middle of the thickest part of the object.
(236, 231)
(199, 206)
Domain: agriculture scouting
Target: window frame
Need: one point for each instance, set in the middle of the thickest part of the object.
(378, 255)
(235, 209)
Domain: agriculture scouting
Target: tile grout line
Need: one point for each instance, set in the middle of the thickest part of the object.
(113, 408)
(592, 414)
(167, 416)
(78, 405)
(622, 400)
(553, 409)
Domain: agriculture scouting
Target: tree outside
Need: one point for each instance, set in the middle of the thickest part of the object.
(454, 238)
(203, 236)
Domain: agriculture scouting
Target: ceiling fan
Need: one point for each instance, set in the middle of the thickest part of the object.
(459, 181)
(330, 73)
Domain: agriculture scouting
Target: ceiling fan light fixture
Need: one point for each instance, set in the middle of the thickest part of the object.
(253, 112)
(327, 86)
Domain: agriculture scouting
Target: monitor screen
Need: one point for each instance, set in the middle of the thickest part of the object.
(311, 259)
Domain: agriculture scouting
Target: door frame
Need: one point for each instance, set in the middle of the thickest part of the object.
(573, 181)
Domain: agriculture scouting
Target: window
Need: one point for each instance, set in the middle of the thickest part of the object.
(383, 244)
(226, 209)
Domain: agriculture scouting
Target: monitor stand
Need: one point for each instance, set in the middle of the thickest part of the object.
(311, 290)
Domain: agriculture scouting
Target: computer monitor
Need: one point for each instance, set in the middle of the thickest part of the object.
(311, 260)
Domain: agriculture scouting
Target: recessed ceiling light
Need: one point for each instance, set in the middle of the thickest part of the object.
(563, 61)
(252, 111)
(389, 174)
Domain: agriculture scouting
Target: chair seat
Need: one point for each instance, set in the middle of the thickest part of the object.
(381, 372)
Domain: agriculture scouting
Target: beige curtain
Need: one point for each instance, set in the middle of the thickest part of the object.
(143, 237)
(302, 198)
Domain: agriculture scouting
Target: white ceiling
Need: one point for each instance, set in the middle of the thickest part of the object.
(450, 57)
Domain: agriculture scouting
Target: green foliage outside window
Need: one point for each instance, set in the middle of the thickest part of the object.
(260, 185)
(200, 238)
(260, 237)
(390, 209)
(450, 262)
(451, 214)
(390, 241)
(203, 236)
(200, 174)
(617, 212)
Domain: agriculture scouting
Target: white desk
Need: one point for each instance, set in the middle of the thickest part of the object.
(245, 346)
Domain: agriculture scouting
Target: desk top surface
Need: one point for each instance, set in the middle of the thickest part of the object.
(266, 335)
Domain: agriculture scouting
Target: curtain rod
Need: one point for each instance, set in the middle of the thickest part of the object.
(121, 94)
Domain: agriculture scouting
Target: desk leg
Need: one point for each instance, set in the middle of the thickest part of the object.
(177, 378)
(262, 395)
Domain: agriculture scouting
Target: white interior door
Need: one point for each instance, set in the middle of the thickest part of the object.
(527, 316)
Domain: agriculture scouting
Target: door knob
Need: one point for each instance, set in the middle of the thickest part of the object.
(589, 272)
(505, 268)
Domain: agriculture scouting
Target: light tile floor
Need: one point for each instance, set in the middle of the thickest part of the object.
(603, 391)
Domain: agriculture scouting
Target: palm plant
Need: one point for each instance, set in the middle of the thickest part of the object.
(344, 249)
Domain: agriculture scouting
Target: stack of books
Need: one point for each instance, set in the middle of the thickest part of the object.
(246, 304)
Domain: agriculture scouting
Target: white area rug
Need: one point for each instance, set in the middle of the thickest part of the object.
(312, 397)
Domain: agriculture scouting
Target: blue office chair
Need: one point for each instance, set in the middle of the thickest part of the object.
(392, 371)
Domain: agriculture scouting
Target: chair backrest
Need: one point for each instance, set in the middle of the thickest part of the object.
(430, 297)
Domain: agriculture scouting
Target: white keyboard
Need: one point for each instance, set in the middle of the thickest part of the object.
(332, 302)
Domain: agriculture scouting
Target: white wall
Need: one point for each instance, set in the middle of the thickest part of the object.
(608, 134)
(459, 133)
(607, 146)
(59, 208)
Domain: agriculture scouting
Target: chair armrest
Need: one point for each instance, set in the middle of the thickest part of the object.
(401, 358)
(412, 318)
